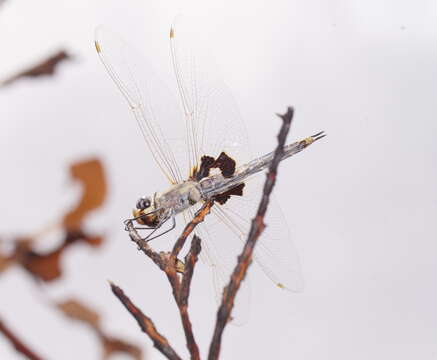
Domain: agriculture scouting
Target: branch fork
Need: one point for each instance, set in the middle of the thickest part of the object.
(171, 265)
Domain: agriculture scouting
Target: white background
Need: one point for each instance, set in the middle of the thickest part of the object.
(361, 204)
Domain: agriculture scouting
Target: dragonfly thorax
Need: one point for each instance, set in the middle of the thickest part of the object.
(179, 197)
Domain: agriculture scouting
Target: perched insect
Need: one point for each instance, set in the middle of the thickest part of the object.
(218, 163)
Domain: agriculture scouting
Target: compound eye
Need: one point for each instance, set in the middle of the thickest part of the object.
(143, 203)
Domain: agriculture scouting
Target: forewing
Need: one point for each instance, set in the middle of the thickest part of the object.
(212, 116)
(152, 104)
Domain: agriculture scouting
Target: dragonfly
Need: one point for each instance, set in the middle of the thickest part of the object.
(213, 162)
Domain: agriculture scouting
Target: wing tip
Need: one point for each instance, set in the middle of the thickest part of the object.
(97, 32)
(98, 48)
(296, 289)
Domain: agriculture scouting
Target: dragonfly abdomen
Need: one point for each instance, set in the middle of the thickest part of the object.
(218, 184)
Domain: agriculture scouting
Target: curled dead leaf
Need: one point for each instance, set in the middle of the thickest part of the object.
(46, 267)
(91, 175)
(112, 346)
(46, 67)
(5, 262)
(77, 311)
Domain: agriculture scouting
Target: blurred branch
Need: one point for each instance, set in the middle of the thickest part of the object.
(257, 227)
(47, 67)
(17, 343)
(47, 266)
(76, 310)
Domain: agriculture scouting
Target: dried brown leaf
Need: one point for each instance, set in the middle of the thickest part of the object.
(75, 236)
(5, 262)
(94, 240)
(45, 67)
(78, 311)
(46, 267)
(112, 346)
(91, 175)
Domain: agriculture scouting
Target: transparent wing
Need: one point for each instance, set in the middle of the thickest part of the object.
(222, 266)
(213, 121)
(275, 252)
(223, 234)
(152, 104)
(214, 125)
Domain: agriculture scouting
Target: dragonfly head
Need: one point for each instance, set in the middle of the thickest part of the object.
(145, 212)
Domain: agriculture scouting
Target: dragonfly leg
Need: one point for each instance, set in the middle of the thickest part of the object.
(129, 224)
(173, 225)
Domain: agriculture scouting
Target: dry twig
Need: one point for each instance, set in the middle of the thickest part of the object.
(257, 227)
(168, 262)
(180, 287)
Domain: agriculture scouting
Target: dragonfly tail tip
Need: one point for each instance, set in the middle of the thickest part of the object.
(319, 136)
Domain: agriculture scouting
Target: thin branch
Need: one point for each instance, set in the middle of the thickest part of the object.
(17, 343)
(257, 227)
(143, 245)
(190, 262)
(198, 218)
(170, 270)
(175, 282)
(159, 258)
(168, 263)
(184, 292)
(146, 325)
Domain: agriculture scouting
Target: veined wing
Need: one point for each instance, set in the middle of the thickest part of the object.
(153, 106)
(222, 265)
(274, 252)
(214, 125)
(212, 116)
